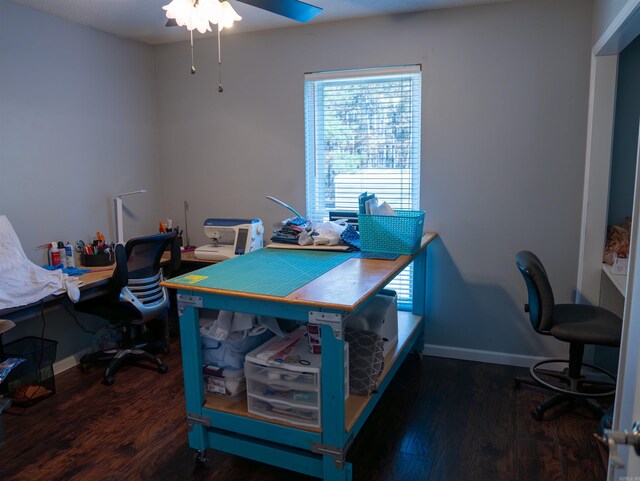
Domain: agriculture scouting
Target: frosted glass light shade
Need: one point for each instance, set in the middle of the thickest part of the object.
(197, 15)
(227, 16)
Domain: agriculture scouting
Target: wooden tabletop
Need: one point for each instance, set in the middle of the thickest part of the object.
(188, 256)
(96, 275)
(344, 287)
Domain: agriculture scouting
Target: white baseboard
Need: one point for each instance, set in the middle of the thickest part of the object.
(462, 353)
(69, 362)
(480, 356)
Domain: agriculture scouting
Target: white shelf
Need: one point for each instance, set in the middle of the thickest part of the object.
(619, 281)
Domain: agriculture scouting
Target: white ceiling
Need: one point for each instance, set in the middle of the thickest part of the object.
(144, 20)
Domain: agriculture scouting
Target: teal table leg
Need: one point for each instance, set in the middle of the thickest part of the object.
(192, 368)
(334, 437)
(334, 473)
(420, 295)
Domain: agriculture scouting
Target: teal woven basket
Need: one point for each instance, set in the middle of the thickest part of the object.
(391, 234)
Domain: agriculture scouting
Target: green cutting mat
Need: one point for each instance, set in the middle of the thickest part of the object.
(273, 272)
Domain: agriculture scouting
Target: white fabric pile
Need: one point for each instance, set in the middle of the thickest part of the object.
(21, 281)
(326, 233)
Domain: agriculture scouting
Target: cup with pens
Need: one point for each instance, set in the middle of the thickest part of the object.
(167, 227)
(97, 253)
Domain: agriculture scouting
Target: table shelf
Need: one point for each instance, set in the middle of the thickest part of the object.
(354, 405)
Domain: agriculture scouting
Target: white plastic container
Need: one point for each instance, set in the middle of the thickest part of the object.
(380, 315)
(288, 392)
(620, 266)
(68, 251)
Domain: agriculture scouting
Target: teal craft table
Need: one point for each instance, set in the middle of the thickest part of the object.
(328, 288)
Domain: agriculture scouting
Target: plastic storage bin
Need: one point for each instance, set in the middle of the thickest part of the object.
(288, 392)
(32, 380)
(380, 315)
(224, 382)
(391, 234)
(97, 260)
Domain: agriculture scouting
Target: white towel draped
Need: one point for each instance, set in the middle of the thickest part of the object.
(21, 281)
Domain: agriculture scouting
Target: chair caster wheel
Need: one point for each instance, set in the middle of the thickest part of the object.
(201, 457)
(84, 367)
(537, 414)
(164, 350)
(109, 380)
(162, 369)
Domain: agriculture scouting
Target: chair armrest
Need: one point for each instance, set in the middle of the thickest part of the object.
(174, 262)
(120, 276)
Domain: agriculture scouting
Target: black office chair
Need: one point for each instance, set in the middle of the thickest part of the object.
(577, 324)
(135, 298)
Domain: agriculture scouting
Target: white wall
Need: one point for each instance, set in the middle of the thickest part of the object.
(505, 91)
(604, 11)
(77, 125)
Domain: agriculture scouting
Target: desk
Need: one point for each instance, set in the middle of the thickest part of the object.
(187, 256)
(95, 284)
(618, 280)
(226, 425)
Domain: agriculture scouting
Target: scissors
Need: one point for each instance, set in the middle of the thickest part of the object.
(80, 245)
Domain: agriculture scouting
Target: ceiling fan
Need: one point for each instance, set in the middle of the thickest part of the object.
(293, 9)
(200, 14)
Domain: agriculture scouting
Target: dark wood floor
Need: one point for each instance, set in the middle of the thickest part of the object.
(441, 420)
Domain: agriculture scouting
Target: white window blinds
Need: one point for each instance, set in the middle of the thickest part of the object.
(362, 133)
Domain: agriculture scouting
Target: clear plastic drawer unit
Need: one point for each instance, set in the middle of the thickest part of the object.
(288, 391)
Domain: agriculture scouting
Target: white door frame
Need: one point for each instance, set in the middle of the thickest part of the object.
(627, 402)
(622, 30)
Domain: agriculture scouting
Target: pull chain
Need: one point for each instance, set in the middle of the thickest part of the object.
(193, 67)
(220, 89)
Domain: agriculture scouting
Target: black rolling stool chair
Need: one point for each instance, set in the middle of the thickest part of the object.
(135, 298)
(577, 324)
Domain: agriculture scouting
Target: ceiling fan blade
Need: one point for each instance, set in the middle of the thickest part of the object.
(294, 9)
(171, 22)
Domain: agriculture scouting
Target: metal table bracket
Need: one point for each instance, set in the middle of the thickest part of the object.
(330, 319)
(197, 419)
(339, 455)
(188, 301)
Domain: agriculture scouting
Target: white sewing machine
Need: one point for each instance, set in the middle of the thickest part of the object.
(230, 238)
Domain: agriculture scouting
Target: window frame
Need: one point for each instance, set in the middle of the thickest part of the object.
(315, 160)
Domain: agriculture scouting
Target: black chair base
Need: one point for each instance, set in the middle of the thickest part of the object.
(558, 399)
(118, 358)
(571, 382)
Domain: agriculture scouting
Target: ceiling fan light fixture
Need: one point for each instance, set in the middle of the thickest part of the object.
(198, 14)
(210, 9)
(227, 15)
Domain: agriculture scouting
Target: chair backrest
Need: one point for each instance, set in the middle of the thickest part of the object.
(539, 291)
(138, 274)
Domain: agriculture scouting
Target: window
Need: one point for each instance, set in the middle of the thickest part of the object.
(362, 133)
